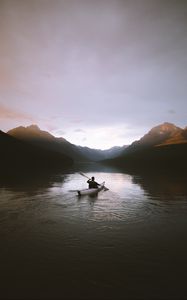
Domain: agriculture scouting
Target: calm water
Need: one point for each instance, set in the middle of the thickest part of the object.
(129, 242)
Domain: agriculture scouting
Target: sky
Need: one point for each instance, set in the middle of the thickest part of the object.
(99, 73)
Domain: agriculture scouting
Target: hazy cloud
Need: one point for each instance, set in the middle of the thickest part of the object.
(8, 113)
(171, 111)
(59, 133)
(51, 127)
(79, 130)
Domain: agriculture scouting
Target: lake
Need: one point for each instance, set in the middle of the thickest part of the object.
(129, 242)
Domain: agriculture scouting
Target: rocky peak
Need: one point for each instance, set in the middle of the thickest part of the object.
(32, 131)
(33, 127)
(164, 128)
(158, 135)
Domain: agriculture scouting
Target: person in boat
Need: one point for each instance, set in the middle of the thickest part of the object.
(92, 183)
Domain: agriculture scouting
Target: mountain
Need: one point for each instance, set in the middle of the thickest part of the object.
(98, 154)
(17, 155)
(163, 134)
(34, 135)
(158, 135)
(179, 137)
(163, 146)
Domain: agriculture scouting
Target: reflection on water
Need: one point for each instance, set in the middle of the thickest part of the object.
(128, 242)
(163, 185)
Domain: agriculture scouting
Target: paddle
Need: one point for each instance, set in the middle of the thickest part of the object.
(105, 188)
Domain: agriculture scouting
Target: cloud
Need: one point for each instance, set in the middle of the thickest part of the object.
(171, 111)
(79, 130)
(77, 121)
(59, 133)
(51, 127)
(13, 114)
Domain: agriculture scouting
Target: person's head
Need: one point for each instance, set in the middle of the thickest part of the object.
(93, 178)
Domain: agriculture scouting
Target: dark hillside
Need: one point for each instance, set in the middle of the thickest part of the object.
(167, 156)
(164, 146)
(18, 155)
(33, 135)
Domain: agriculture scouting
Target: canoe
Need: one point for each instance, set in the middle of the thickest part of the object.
(91, 191)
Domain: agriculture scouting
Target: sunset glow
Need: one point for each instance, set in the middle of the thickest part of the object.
(98, 74)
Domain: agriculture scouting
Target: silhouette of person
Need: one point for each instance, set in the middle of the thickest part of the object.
(92, 183)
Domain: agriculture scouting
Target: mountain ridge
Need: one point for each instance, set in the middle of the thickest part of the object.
(34, 135)
(17, 155)
(158, 135)
(164, 146)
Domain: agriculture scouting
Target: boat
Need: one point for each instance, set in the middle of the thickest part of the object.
(91, 191)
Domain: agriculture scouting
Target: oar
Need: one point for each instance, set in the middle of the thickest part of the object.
(84, 175)
(105, 188)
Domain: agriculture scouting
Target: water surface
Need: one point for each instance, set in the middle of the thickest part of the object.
(129, 242)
